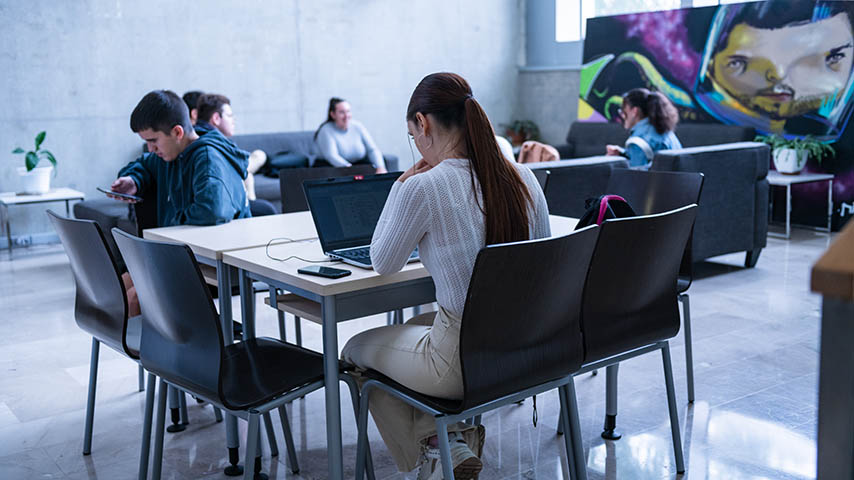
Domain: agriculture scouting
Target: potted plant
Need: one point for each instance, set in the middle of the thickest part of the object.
(520, 131)
(35, 180)
(790, 155)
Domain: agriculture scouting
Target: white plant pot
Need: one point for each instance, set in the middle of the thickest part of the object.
(36, 181)
(786, 160)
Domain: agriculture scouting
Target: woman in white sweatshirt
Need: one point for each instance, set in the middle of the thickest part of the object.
(461, 196)
(343, 141)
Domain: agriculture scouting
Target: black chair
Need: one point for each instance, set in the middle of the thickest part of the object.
(634, 312)
(650, 192)
(182, 343)
(538, 281)
(100, 304)
(566, 189)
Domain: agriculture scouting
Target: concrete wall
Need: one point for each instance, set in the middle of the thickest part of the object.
(549, 97)
(77, 69)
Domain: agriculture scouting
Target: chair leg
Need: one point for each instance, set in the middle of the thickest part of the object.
(145, 446)
(444, 449)
(575, 431)
(283, 332)
(564, 426)
(251, 445)
(362, 431)
(689, 349)
(610, 430)
(271, 435)
(157, 463)
(750, 258)
(90, 401)
(389, 318)
(217, 414)
(671, 405)
(560, 420)
(354, 396)
(141, 379)
(289, 439)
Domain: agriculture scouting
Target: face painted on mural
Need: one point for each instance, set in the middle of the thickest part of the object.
(786, 71)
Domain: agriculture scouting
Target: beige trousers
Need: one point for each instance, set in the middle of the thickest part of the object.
(423, 355)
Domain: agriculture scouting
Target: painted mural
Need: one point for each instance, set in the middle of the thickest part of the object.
(780, 66)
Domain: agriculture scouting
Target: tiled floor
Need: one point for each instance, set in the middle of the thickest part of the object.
(756, 361)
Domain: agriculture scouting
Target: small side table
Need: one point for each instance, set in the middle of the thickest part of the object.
(8, 199)
(777, 179)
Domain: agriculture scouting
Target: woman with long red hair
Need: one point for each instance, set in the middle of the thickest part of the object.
(461, 196)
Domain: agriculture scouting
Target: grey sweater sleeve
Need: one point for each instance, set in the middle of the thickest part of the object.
(329, 148)
(374, 154)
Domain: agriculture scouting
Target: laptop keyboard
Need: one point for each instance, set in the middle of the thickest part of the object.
(362, 255)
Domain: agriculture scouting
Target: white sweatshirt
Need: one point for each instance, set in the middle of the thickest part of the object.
(437, 210)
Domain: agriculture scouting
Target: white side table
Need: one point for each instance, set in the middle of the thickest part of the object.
(8, 199)
(777, 179)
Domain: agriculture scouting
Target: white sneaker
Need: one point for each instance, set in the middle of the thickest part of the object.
(466, 464)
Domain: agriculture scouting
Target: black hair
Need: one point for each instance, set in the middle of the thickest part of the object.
(333, 104)
(160, 110)
(191, 98)
(210, 103)
(654, 106)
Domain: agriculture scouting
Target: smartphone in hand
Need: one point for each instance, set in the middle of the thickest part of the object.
(327, 272)
(121, 195)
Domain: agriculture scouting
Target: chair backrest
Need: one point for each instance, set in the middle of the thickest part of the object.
(100, 305)
(567, 189)
(650, 192)
(181, 335)
(521, 322)
(630, 295)
(290, 182)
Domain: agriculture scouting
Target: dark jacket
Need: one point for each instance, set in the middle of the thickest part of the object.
(203, 186)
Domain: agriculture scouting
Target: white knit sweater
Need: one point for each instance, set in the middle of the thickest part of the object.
(437, 211)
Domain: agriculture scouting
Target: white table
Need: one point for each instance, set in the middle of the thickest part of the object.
(7, 199)
(360, 294)
(777, 179)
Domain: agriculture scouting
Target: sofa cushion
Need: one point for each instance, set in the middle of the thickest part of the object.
(570, 183)
(733, 210)
(699, 134)
(587, 139)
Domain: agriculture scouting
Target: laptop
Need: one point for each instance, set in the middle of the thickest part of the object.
(346, 210)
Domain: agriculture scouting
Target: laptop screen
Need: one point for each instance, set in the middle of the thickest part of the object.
(346, 209)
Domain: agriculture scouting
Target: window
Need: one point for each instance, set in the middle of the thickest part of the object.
(571, 15)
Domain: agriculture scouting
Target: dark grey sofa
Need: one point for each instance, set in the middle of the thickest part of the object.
(586, 139)
(733, 210)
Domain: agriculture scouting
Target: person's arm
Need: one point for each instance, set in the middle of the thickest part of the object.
(329, 149)
(212, 199)
(541, 226)
(636, 156)
(374, 153)
(141, 171)
(401, 226)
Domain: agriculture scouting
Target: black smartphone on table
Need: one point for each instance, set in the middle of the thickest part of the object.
(327, 272)
(119, 194)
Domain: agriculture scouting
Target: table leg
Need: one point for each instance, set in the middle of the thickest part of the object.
(829, 204)
(8, 228)
(788, 211)
(247, 304)
(67, 210)
(333, 394)
(232, 441)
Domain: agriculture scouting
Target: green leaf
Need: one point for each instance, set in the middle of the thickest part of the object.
(49, 156)
(40, 139)
(18, 150)
(32, 160)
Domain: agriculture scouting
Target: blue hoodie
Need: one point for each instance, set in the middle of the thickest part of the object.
(203, 186)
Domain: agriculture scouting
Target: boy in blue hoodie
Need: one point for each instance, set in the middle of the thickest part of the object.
(198, 179)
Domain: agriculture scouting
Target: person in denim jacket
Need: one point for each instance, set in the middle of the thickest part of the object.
(651, 119)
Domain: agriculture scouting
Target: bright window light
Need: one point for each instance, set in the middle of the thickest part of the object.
(567, 21)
